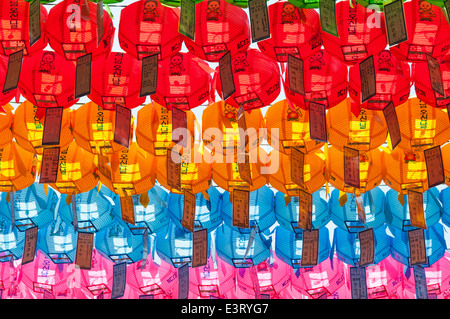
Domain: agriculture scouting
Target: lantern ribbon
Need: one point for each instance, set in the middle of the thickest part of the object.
(250, 242)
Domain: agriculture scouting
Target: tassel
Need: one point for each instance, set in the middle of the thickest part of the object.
(287, 199)
(401, 199)
(342, 198)
(144, 200)
(46, 189)
(68, 199)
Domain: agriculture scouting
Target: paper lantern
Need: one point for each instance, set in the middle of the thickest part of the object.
(261, 210)
(231, 246)
(153, 31)
(422, 82)
(393, 82)
(93, 210)
(256, 79)
(48, 80)
(280, 177)
(324, 79)
(92, 282)
(428, 32)
(71, 36)
(357, 39)
(6, 122)
(370, 170)
(220, 128)
(154, 128)
(76, 171)
(305, 3)
(219, 27)
(434, 245)
(118, 244)
(116, 80)
(195, 171)
(293, 31)
(5, 97)
(15, 30)
(287, 215)
(28, 128)
(11, 240)
(9, 280)
(444, 199)
(398, 215)
(33, 206)
(346, 216)
(207, 211)
(382, 279)
(18, 168)
(445, 161)
(153, 217)
(348, 249)
(364, 132)
(287, 128)
(289, 246)
(93, 129)
(132, 172)
(183, 82)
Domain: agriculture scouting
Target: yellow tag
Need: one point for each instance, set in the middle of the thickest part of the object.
(205, 195)
(401, 199)
(342, 198)
(144, 200)
(68, 199)
(287, 199)
(8, 197)
(99, 186)
(46, 189)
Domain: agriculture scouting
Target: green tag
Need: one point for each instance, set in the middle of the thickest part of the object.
(327, 10)
(187, 19)
(394, 16)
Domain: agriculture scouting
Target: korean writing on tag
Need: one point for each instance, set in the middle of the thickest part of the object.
(367, 247)
(327, 12)
(297, 166)
(390, 115)
(416, 211)
(13, 71)
(435, 166)
(149, 75)
(34, 21)
(244, 167)
(127, 209)
(100, 28)
(368, 79)
(189, 204)
(351, 167)
(122, 127)
(103, 166)
(119, 280)
(310, 247)
(83, 75)
(420, 282)
(394, 16)
(183, 281)
(241, 206)
(226, 76)
(317, 122)
(179, 122)
(187, 19)
(295, 75)
(199, 248)
(417, 249)
(52, 125)
(173, 169)
(85, 245)
(259, 20)
(358, 282)
(304, 210)
(434, 71)
(29, 248)
(49, 165)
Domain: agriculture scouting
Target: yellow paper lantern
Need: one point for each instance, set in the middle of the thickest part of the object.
(292, 128)
(93, 129)
(364, 132)
(6, 122)
(154, 128)
(28, 129)
(313, 175)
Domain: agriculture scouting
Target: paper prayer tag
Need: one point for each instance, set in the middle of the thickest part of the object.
(435, 166)
(295, 75)
(305, 210)
(390, 115)
(327, 12)
(297, 166)
(367, 247)
(394, 16)
(52, 125)
(318, 122)
(173, 167)
(416, 211)
(434, 71)
(179, 122)
(149, 75)
(199, 248)
(100, 27)
(241, 208)
(310, 246)
(368, 79)
(420, 282)
(85, 245)
(242, 126)
(226, 76)
(244, 167)
(49, 165)
(187, 19)
(259, 20)
(127, 209)
(358, 282)
(34, 21)
(29, 248)
(417, 249)
(189, 205)
(83, 75)
(122, 127)
(183, 282)
(119, 280)
(351, 167)
(13, 71)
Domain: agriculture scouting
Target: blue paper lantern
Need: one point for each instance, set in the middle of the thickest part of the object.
(58, 241)
(261, 212)
(11, 240)
(398, 216)
(346, 217)
(207, 213)
(444, 197)
(288, 246)
(287, 215)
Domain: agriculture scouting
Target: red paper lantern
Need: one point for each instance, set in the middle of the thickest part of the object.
(393, 82)
(219, 27)
(8, 95)
(116, 80)
(256, 79)
(72, 36)
(183, 82)
(357, 38)
(293, 31)
(14, 28)
(428, 32)
(422, 83)
(48, 80)
(325, 81)
(147, 27)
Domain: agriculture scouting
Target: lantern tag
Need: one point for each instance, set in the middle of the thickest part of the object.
(417, 249)
(358, 282)
(226, 76)
(85, 245)
(327, 12)
(259, 20)
(189, 204)
(394, 15)
(13, 71)
(179, 122)
(351, 167)
(416, 212)
(187, 19)
(297, 166)
(149, 75)
(34, 21)
(434, 71)
(199, 248)
(49, 165)
(420, 282)
(435, 166)
(183, 281)
(241, 208)
(83, 75)
(52, 126)
(310, 247)
(295, 75)
(318, 122)
(119, 280)
(390, 115)
(173, 169)
(368, 79)
(304, 210)
(122, 129)
(127, 209)
(367, 247)
(29, 248)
